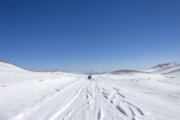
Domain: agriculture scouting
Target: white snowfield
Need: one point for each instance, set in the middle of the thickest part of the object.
(152, 94)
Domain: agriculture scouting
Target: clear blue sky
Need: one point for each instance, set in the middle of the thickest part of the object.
(84, 35)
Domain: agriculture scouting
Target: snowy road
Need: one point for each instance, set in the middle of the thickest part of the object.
(63, 96)
(84, 100)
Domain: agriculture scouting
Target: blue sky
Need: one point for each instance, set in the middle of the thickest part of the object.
(85, 35)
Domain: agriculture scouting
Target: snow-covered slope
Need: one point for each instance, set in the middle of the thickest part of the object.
(6, 67)
(165, 68)
(130, 95)
(128, 72)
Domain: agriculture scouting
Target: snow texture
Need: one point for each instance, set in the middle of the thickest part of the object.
(152, 94)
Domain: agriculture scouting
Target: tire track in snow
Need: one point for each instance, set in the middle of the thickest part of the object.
(90, 101)
(57, 115)
(130, 111)
(29, 112)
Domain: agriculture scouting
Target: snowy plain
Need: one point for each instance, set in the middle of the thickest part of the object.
(151, 94)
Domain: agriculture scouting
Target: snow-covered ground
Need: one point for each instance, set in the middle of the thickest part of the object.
(152, 94)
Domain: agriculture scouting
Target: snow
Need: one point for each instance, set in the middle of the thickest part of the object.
(27, 95)
(164, 68)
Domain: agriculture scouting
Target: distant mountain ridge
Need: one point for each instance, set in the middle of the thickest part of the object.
(165, 68)
(127, 71)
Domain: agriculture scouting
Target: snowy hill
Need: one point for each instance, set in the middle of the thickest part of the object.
(120, 95)
(165, 68)
(6, 67)
(128, 72)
